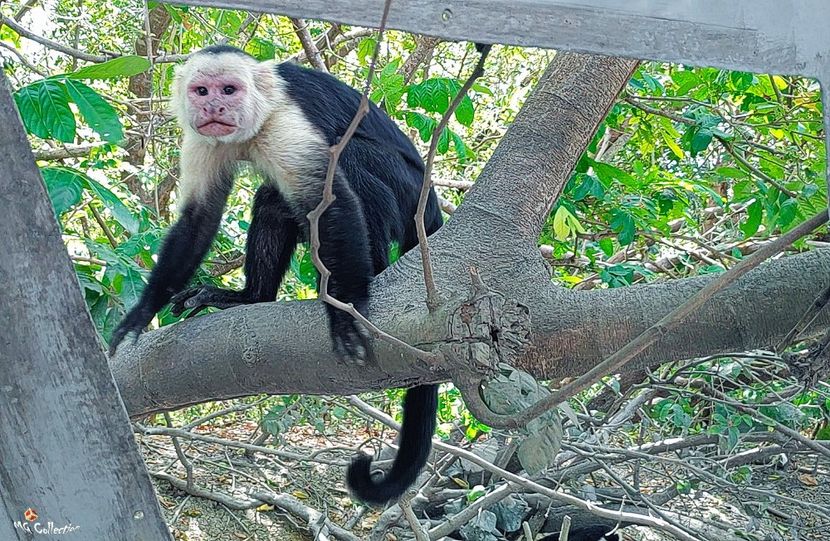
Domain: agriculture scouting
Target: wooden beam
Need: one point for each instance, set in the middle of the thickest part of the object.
(765, 36)
(66, 448)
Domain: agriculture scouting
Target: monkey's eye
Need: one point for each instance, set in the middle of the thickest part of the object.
(229, 89)
(201, 90)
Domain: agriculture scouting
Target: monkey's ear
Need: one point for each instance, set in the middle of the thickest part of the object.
(265, 77)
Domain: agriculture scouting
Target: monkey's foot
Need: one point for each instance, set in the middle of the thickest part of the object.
(201, 297)
(351, 339)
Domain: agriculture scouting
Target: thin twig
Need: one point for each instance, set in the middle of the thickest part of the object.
(433, 299)
(226, 411)
(188, 467)
(23, 59)
(471, 511)
(184, 434)
(66, 151)
(220, 497)
(470, 389)
(463, 185)
(311, 516)
(565, 531)
(54, 45)
(103, 224)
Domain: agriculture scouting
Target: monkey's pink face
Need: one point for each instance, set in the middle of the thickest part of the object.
(217, 104)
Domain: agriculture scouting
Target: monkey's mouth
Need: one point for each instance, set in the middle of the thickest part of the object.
(215, 128)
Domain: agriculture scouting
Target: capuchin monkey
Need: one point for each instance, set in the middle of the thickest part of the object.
(283, 118)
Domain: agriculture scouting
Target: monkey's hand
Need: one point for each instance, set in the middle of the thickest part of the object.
(201, 297)
(133, 324)
(350, 337)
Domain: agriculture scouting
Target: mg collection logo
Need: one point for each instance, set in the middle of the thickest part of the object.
(30, 524)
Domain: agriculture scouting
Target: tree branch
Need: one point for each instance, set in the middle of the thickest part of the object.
(310, 48)
(272, 347)
(54, 45)
(648, 338)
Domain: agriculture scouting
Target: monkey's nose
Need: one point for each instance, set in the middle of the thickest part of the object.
(212, 109)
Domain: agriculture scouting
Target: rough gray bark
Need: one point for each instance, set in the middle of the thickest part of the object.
(66, 449)
(284, 347)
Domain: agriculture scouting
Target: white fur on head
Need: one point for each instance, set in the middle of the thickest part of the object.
(258, 77)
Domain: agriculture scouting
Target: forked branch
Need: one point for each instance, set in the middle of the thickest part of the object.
(433, 300)
(469, 387)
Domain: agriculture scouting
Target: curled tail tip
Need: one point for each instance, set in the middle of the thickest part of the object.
(359, 474)
(363, 488)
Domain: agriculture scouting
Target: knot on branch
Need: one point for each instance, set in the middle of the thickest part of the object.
(486, 329)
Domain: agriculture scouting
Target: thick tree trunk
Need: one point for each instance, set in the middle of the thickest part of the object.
(284, 347)
(65, 440)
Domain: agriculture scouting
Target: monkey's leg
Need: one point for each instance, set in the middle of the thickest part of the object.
(186, 244)
(344, 249)
(272, 237)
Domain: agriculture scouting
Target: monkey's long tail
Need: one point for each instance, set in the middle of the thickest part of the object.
(419, 410)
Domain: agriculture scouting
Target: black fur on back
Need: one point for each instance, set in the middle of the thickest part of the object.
(330, 104)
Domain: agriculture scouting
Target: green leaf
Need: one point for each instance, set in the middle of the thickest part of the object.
(699, 140)
(64, 187)
(731, 172)
(754, 213)
(28, 104)
(390, 87)
(622, 223)
(565, 224)
(394, 251)
(118, 209)
(461, 150)
(262, 49)
(685, 81)
(672, 144)
(608, 173)
(478, 87)
(607, 246)
(303, 268)
(99, 114)
(787, 213)
(433, 95)
(58, 117)
(424, 124)
(590, 185)
(123, 66)
(366, 49)
(443, 142)
(465, 112)
(618, 275)
(129, 283)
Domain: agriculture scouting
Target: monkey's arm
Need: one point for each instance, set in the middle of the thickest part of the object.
(185, 246)
(272, 237)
